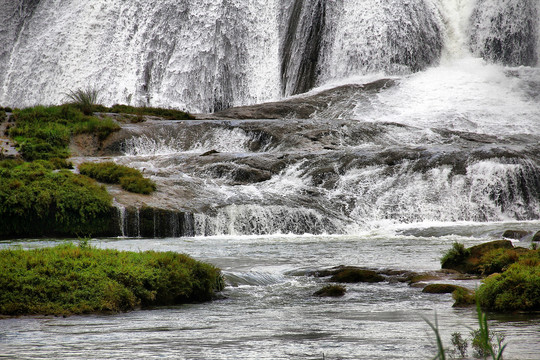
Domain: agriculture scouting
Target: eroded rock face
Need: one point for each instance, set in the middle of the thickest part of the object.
(302, 107)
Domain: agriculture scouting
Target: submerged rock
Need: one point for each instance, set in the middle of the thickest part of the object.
(331, 291)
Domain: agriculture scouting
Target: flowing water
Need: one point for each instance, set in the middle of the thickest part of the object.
(383, 177)
(269, 311)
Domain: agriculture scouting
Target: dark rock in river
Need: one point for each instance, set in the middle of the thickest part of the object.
(356, 275)
(331, 291)
(515, 234)
(536, 236)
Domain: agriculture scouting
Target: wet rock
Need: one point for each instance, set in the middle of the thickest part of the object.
(301, 107)
(356, 275)
(240, 174)
(515, 234)
(331, 291)
(536, 236)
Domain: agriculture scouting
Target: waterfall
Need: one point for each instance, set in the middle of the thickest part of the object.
(207, 55)
(417, 110)
(506, 31)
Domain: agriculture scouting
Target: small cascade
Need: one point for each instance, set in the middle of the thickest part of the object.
(252, 279)
(264, 220)
(122, 217)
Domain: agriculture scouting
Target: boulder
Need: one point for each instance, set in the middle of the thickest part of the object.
(515, 234)
(536, 236)
(331, 291)
(356, 275)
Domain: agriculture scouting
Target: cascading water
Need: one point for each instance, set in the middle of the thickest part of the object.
(450, 138)
(207, 55)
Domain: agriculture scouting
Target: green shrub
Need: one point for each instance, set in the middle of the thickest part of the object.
(170, 114)
(69, 279)
(108, 172)
(36, 200)
(456, 254)
(516, 289)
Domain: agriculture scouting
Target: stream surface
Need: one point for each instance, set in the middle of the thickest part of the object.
(269, 311)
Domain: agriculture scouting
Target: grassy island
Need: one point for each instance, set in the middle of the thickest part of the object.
(70, 279)
(512, 274)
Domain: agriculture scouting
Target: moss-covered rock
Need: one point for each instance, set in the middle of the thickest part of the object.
(356, 275)
(470, 260)
(331, 291)
(463, 297)
(441, 288)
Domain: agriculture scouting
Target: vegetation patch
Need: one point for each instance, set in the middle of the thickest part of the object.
(108, 172)
(516, 289)
(69, 279)
(169, 114)
(463, 297)
(36, 200)
(44, 132)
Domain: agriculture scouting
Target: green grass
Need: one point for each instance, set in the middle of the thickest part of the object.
(482, 340)
(44, 132)
(69, 279)
(108, 172)
(169, 114)
(36, 200)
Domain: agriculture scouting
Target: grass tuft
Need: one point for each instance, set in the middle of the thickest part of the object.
(84, 99)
